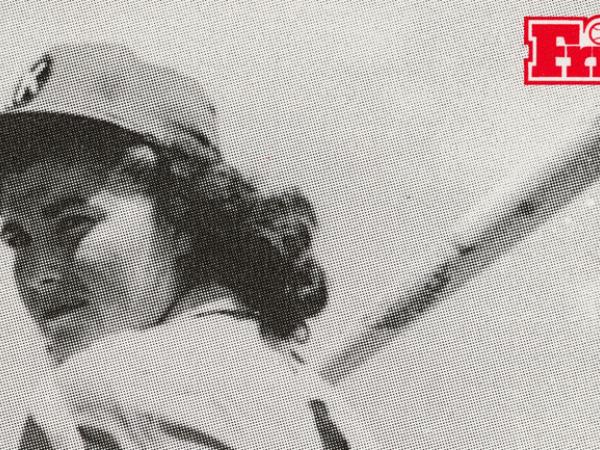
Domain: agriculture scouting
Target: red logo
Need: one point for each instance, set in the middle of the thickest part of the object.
(562, 50)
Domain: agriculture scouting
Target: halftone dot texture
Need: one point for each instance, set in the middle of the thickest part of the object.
(90, 261)
(396, 120)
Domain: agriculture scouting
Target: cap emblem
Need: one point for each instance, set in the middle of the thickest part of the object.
(32, 82)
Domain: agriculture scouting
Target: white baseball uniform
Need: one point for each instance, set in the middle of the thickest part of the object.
(208, 380)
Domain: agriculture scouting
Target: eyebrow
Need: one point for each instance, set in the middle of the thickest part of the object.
(58, 206)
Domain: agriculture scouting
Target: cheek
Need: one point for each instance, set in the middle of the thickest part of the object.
(20, 269)
(20, 275)
(99, 259)
(116, 257)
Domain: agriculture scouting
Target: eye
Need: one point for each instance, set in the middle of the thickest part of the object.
(14, 237)
(74, 224)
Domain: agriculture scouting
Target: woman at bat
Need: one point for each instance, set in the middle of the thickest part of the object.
(170, 290)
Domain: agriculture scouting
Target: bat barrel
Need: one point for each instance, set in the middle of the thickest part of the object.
(486, 235)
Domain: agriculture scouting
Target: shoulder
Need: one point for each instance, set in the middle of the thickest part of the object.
(176, 342)
(196, 353)
(215, 374)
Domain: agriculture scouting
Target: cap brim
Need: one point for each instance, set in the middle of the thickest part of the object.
(26, 137)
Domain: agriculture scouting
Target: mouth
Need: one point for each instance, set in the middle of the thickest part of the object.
(59, 311)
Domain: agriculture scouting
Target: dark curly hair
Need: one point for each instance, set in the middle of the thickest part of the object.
(258, 244)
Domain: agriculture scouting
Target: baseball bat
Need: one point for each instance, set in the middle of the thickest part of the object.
(485, 235)
(482, 239)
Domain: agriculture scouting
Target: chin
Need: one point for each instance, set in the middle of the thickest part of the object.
(67, 337)
(61, 352)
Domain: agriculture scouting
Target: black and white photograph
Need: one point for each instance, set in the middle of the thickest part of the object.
(303, 225)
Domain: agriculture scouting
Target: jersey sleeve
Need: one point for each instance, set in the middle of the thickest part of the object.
(202, 383)
(141, 388)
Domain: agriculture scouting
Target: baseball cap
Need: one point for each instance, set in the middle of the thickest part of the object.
(82, 91)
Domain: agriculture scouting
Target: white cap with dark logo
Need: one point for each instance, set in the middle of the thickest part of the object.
(102, 87)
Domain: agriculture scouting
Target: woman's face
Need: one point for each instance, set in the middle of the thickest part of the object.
(90, 258)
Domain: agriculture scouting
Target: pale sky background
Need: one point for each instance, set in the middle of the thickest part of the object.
(396, 118)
